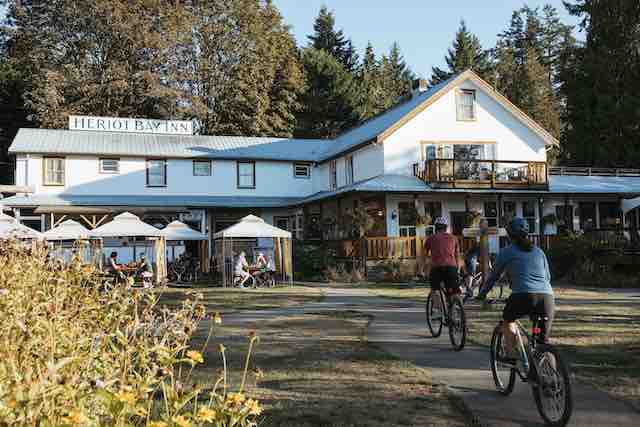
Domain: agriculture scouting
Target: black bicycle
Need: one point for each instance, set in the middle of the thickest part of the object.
(541, 366)
(449, 312)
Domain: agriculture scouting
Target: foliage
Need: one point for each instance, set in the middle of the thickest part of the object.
(311, 258)
(358, 222)
(466, 53)
(76, 351)
(328, 103)
(601, 85)
(325, 37)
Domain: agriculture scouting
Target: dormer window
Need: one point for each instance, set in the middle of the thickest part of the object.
(466, 105)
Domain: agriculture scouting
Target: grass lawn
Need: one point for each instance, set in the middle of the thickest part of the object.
(597, 330)
(320, 371)
(230, 299)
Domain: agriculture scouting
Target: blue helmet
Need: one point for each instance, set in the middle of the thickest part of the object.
(518, 227)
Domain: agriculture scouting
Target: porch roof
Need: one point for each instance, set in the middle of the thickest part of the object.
(158, 201)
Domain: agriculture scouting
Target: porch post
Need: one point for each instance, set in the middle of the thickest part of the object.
(540, 215)
(500, 211)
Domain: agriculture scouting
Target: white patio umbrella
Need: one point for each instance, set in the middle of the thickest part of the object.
(180, 231)
(126, 224)
(252, 226)
(11, 228)
(68, 230)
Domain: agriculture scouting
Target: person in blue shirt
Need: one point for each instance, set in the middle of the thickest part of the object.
(528, 269)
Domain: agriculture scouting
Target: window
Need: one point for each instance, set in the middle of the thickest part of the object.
(466, 105)
(202, 168)
(301, 170)
(564, 213)
(53, 170)
(587, 212)
(281, 222)
(434, 210)
(407, 219)
(609, 214)
(430, 152)
(109, 165)
(491, 213)
(509, 211)
(156, 173)
(529, 214)
(246, 175)
(348, 170)
(333, 177)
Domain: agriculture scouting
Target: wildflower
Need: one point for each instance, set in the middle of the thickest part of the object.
(259, 374)
(157, 424)
(217, 319)
(140, 411)
(12, 403)
(195, 356)
(126, 397)
(235, 398)
(253, 406)
(75, 418)
(206, 414)
(181, 421)
(222, 348)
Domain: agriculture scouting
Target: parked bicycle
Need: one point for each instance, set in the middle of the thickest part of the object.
(449, 312)
(540, 365)
(496, 294)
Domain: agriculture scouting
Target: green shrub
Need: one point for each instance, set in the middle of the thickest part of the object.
(76, 351)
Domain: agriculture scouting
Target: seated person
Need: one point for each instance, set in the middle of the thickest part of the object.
(261, 261)
(240, 269)
(146, 271)
(113, 267)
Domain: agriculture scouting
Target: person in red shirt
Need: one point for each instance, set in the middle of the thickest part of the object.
(444, 250)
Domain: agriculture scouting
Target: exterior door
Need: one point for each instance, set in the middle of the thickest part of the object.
(458, 222)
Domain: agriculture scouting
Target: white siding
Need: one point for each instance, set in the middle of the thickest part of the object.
(273, 179)
(438, 122)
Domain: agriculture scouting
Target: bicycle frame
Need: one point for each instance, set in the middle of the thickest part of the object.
(535, 338)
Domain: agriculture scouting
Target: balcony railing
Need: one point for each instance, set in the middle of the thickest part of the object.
(459, 173)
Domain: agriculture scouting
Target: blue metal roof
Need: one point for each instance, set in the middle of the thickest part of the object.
(594, 184)
(149, 201)
(59, 141)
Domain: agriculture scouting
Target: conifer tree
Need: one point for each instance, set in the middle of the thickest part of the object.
(325, 37)
(465, 53)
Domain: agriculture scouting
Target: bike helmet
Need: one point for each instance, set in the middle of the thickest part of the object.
(518, 227)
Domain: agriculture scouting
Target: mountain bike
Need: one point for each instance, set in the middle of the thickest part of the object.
(540, 365)
(498, 291)
(450, 312)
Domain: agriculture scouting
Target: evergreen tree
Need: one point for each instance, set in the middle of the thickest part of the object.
(526, 59)
(332, 41)
(369, 80)
(395, 77)
(465, 53)
(601, 82)
(329, 101)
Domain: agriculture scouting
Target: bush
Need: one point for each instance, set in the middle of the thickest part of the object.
(311, 259)
(75, 351)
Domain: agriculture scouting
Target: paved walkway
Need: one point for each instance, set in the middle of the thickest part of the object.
(399, 328)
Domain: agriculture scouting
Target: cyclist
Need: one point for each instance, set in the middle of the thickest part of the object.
(532, 294)
(444, 251)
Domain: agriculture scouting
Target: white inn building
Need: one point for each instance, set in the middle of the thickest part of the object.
(457, 147)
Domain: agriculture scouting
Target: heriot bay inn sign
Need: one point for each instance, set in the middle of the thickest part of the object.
(117, 124)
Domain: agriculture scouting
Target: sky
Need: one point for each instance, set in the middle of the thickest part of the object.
(424, 28)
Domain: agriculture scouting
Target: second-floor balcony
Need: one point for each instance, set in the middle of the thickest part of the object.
(497, 174)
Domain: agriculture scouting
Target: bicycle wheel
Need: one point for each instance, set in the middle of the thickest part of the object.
(504, 376)
(457, 323)
(435, 315)
(552, 387)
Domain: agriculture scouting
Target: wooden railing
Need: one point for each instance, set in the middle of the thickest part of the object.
(458, 173)
(588, 171)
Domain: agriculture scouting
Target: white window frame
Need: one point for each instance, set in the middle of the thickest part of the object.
(333, 175)
(466, 112)
(202, 161)
(163, 169)
(107, 171)
(45, 171)
(241, 174)
(298, 167)
(348, 169)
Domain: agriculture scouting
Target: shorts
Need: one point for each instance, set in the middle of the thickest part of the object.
(447, 275)
(520, 305)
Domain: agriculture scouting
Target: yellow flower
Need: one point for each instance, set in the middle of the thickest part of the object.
(126, 397)
(206, 415)
(217, 319)
(235, 398)
(157, 424)
(140, 411)
(75, 418)
(195, 356)
(253, 406)
(181, 421)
